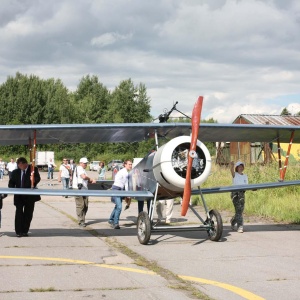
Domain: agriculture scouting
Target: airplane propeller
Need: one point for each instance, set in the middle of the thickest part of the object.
(192, 153)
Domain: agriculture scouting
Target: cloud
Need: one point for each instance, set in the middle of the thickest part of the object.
(108, 39)
(243, 56)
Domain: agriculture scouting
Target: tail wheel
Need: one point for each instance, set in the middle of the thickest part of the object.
(143, 228)
(216, 223)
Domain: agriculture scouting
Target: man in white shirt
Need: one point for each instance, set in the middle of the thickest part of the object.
(80, 181)
(12, 165)
(120, 183)
(64, 174)
(51, 166)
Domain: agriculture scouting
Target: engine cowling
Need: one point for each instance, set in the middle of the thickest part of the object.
(170, 163)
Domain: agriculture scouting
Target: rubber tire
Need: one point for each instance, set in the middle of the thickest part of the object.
(216, 222)
(143, 228)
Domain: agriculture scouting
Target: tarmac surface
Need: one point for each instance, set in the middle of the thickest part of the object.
(60, 260)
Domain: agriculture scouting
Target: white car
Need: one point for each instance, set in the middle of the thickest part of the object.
(116, 162)
(94, 165)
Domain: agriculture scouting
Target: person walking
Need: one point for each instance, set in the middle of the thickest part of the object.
(169, 209)
(80, 181)
(22, 178)
(11, 166)
(2, 168)
(238, 198)
(51, 167)
(120, 183)
(72, 168)
(64, 174)
(2, 196)
(101, 170)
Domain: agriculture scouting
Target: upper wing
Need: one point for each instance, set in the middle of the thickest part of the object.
(235, 188)
(133, 132)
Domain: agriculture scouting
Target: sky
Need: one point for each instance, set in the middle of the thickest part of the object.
(242, 56)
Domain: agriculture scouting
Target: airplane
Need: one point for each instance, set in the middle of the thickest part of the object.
(177, 168)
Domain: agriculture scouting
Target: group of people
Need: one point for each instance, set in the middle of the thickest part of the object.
(24, 176)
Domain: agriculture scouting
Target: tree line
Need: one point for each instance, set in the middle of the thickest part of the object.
(28, 99)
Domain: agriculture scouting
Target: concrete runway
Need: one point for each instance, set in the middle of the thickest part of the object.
(59, 260)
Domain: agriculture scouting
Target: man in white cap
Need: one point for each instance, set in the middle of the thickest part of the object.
(80, 181)
(238, 198)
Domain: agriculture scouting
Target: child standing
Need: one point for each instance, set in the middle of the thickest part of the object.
(238, 198)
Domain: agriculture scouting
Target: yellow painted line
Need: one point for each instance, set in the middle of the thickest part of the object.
(241, 292)
(80, 262)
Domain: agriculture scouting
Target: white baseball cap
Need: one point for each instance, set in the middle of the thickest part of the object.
(84, 160)
(239, 163)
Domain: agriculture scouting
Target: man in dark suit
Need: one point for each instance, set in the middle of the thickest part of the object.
(21, 178)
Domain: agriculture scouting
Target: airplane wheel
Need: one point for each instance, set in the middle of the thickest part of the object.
(143, 228)
(216, 230)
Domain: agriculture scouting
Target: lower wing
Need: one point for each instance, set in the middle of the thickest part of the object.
(246, 187)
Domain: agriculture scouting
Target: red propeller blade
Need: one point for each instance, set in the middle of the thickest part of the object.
(195, 130)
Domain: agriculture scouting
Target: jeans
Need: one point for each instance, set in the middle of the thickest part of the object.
(50, 173)
(1, 173)
(65, 181)
(115, 215)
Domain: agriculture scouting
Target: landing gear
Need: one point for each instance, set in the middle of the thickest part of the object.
(143, 228)
(216, 225)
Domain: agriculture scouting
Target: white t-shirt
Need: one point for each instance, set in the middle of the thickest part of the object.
(121, 179)
(2, 165)
(78, 171)
(64, 169)
(239, 179)
(50, 164)
(11, 166)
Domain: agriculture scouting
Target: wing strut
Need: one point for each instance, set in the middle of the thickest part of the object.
(32, 157)
(194, 137)
(283, 171)
(279, 159)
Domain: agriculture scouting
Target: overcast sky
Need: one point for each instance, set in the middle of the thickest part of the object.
(242, 56)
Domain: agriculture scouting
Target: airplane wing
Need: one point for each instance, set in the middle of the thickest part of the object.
(70, 192)
(247, 187)
(134, 132)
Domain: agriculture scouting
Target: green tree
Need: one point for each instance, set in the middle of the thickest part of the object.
(285, 112)
(92, 100)
(59, 107)
(129, 104)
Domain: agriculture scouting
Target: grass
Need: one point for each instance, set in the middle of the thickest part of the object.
(42, 290)
(279, 204)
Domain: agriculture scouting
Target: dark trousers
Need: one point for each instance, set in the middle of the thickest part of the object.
(141, 205)
(23, 217)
